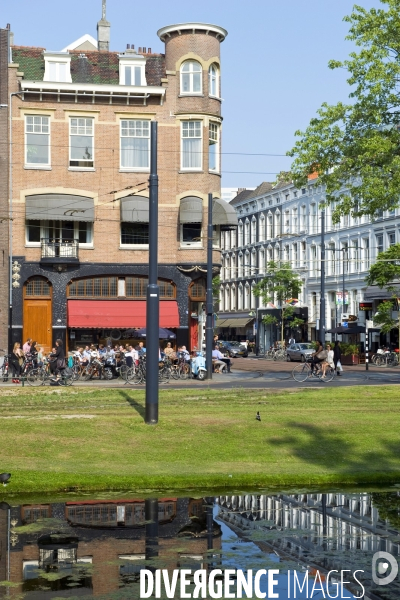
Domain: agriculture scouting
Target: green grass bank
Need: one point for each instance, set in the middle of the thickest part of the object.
(77, 439)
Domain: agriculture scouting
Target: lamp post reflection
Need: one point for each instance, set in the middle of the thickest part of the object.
(151, 516)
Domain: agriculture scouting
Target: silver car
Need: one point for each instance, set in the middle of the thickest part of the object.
(300, 351)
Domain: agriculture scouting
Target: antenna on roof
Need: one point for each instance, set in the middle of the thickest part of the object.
(103, 9)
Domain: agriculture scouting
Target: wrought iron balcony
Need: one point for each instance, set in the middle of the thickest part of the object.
(59, 251)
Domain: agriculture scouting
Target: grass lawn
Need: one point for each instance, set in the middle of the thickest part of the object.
(89, 439)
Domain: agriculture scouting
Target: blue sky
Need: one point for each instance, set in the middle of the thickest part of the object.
(274, 61)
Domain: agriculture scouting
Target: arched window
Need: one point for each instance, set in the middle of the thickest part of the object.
(246, 263)
(227, 298)
(197, 290)
(261, 266)
(269, 226)
(252, 296)
(240, 265)
(191, 73)
(246, 296)
(240, 296)
(233, 297)
(213, 80)
(261, 225)
(240, 234)
(247, 232)
(253, 238)
(38, 287)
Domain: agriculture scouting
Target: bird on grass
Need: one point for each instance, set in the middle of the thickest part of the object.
(258, 418)
(4, 478)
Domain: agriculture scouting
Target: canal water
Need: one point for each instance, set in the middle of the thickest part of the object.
(287, 545)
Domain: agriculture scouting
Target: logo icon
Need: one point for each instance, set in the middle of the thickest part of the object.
(384, 568)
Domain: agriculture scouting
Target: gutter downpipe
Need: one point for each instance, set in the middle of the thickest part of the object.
(10, 221)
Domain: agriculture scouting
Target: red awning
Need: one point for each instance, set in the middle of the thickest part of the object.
(120, 314)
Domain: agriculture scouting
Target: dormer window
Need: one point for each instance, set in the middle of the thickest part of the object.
(133, 75)
(132, 69)
(57, 67)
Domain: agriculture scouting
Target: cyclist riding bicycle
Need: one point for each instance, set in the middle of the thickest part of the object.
(319, 356)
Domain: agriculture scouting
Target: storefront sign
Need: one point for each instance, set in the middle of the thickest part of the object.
(365, 306)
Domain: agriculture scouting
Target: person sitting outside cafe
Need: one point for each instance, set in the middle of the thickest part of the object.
(218, 362)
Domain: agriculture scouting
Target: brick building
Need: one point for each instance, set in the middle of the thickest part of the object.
(80, 166)
(100, 547)
(4, 172)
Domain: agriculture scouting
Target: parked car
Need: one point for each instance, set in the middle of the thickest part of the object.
(300, 351)
(233, 349)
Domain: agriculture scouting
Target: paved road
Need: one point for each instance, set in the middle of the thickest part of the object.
(253, 372)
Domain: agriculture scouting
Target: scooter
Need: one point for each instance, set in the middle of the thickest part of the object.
(198, 366)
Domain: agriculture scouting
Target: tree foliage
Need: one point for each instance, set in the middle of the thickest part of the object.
(279, 286)
(355, 147)
(385, 272)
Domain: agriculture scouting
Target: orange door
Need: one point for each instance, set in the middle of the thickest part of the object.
(37, 322)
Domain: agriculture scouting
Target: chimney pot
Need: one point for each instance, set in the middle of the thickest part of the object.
(140, 50)
(8, 26)
(132, 46)
(149, 50)
(144, 49)
(127, 46)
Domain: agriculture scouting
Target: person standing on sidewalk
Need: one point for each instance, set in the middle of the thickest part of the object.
(337, 357)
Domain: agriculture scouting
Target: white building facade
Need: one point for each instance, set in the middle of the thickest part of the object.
(284, 223)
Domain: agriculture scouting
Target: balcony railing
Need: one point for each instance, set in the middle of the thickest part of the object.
(59, 250)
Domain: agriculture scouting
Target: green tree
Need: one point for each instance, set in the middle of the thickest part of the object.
(384, 273)
(355, 147)
(279, 286)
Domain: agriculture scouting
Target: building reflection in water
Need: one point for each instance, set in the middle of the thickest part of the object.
(94, 548)
(97, 547)
(320, 531)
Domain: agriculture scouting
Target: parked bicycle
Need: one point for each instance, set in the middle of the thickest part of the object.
(41, 375)
(5, 367)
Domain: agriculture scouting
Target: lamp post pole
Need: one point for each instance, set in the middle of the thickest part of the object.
(322, 310)
(209, 294)
(153, 296)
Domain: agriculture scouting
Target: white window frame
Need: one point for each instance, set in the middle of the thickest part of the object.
(191, 74)
(261, 228)
(240, 233)
(198, 126)
(213, 140)
(213, 81)
(195, 244)
(253, 230)
(240, 297)
(44, 228)
(48, 133)
(133, 137)
(71, 135)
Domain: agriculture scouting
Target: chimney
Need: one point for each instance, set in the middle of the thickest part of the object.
(103, 30)
(148, 50)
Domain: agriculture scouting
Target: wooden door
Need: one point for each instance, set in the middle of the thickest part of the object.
(37, 322)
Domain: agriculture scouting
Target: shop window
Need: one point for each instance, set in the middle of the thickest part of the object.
(112, 287)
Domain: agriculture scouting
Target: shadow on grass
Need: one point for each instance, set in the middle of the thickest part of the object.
(136, 405)
(342, 452)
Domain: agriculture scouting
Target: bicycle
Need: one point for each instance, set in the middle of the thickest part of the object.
(303, 371)
(5, 367)
(388, 359)
(39, 376)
